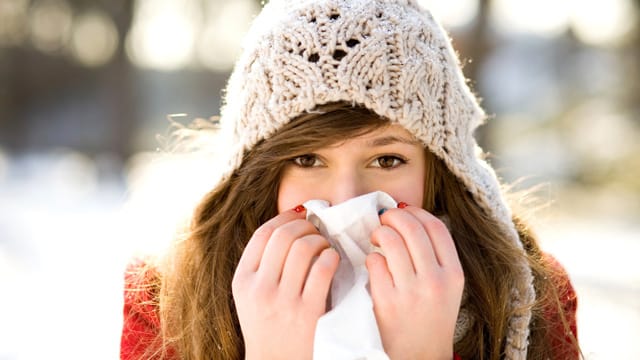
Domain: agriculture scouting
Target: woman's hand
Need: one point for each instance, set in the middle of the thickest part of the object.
(416, 286)
(280, 287)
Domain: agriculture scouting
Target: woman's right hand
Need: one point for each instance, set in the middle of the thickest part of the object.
(280, 287)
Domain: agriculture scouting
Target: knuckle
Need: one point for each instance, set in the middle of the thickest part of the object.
(261, 289)
(326, 267)
(415, 228)
(239, 282)
(385, 235)
(323, 270)
(283, 232)
(237, 285)
(437, 225)
(286, 299)
(378, 233)
(438, 288)
(391, 242)
(302, 247)
(264, 231)
(456, 276)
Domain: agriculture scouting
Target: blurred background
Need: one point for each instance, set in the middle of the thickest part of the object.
(87, 87)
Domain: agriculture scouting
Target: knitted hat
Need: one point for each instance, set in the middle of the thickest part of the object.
(389, 56)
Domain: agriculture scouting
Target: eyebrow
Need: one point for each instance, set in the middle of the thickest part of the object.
(391, 139)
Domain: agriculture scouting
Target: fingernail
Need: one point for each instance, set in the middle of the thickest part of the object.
(402, 205)
(300, 208)
(382, 211)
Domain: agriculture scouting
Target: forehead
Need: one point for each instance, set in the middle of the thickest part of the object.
(382, 136)
(391, 131)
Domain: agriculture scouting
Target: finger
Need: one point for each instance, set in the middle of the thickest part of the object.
(380, 280)
(319, 280)
(278, 245)
(441, 240)
(252, 254)
(396, 254)
(414, 235)
(299, 261)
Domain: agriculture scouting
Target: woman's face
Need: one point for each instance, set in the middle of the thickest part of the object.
(387, 159)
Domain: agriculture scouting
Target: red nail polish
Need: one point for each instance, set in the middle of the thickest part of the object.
(299, 208)
(402, 205)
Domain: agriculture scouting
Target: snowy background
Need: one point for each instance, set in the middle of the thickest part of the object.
(85, 87)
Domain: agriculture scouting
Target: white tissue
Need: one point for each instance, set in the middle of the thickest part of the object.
(348, 330)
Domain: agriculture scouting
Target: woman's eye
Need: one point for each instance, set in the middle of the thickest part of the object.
(388, 162)
(308, 160)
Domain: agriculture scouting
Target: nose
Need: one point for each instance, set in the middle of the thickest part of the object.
(346, 185)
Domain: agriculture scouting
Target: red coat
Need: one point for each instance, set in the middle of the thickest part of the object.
(141, 322)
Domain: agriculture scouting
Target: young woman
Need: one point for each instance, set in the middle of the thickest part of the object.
(330, 100)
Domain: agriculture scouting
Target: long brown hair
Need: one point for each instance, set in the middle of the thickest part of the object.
(198, 317)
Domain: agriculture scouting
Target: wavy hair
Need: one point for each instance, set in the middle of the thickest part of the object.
(198, 317)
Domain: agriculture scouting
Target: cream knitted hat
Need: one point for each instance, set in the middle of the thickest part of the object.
(389, 56)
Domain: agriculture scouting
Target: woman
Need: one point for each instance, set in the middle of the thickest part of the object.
(331, 100)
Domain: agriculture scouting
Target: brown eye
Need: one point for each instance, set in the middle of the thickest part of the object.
(308, 160)
(388, 162)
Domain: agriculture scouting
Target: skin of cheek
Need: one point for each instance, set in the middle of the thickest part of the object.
(290, 195)
(411, 192)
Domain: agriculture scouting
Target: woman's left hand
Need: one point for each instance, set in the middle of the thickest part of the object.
(416, 286)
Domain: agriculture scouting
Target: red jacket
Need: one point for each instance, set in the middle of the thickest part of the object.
(141, 322)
